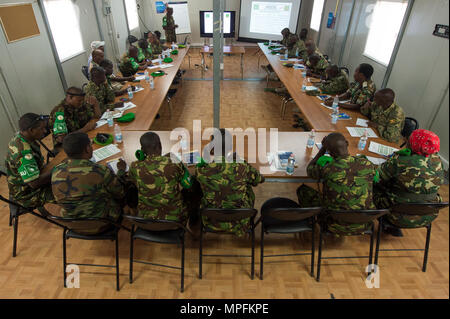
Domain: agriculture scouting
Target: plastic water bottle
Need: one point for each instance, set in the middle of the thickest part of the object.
(286, 54)
(304, 72)
(311, 139)
(183, 144)
(117, 134)
(152, 83)
(168, 53)
(334, 117)
(130, 93)
(362, 141)
(160, 59)
(147, 77)
(109, 118)
(270, 43)
(335, 105)
(290, 165)
(304, 85)
(296, 52)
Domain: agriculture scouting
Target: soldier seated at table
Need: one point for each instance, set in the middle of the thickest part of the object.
(129, 63)
(335, 83)
(155, 45)
(83, 188)
(411, 175)
(291, 46)
(227, 183)
(311, 49)
(385, 115)
(162, 183)
(115, 83)
(97, 57)
(144, 51)
(73, 114)
(316, 66)
(24, 164)
(301, 44)
(98, 87)
(361, 90)
(286, 33)
(347, 183)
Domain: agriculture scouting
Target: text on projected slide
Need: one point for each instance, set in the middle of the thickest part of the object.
(209, 22)
(270, 17)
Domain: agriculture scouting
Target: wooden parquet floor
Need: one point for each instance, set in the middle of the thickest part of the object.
(36, 272)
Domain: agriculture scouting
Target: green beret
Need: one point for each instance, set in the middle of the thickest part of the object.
(168, 60)
(174, 52)
(129, 117)
(107, 142)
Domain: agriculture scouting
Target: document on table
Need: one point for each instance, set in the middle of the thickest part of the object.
(361, 122)
(381, 149)
(322, 97)
(376, 160)
(138, 88)
(359, 131)
(126, 106)
(101, 123)
(113, 165)
(299, 66)
(328, 107)
(154, 67)
(116, 114)
(311, 88)
(140, 77)
(165, 66)
(105, 152)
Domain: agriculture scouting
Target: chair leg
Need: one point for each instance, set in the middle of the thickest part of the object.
(200, 251)
(319, 261)
(117, 262)
(16, 226)
(427, 246)
(253, 253)
(64, 257)
(170, 108)
(313, 248)
(261, 264)
(371, 248)
(182, 264)
(377, 245)
(282, 105)
(10, 219)
(131, 254)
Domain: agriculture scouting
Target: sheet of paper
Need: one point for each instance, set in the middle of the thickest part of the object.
(322, 97)
(126, 106)
(140, 77)
(328, 107)
(381, 149)
(359, 131)
(138, 89)
(155, 61)
(361, 122)
(311, 88)
(153, 67)
(376, 160)
(105, 152)
(113, 165)
(293, 60)
(299, 66)
(117, 113)
(101, 123)
(165, 66)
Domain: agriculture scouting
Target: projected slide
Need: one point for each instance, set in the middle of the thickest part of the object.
(209, 22)
(270, 17)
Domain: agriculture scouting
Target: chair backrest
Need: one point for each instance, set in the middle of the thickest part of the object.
(292, 214)
(85, 71)
(153, 224)
(356, 216)
(228, 215)
(83, 225)
(411, 124)
(418, 209)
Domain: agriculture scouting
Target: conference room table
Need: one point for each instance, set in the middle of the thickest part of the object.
(228, 49)
(149, 101)
(247, 147)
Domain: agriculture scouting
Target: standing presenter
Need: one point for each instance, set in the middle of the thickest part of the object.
(169, 26)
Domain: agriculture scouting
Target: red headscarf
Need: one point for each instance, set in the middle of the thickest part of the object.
(424, 142)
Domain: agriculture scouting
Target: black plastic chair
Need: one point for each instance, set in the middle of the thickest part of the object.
(288, 221)
(227, 215)
(353, 217)
(411, 124)
(170, 94)
(157, 231)
(15, 211)
(82, 228)
(418, 209)
(85, 71)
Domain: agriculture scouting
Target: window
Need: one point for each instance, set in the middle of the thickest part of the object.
(132, 14)
(384, 27)
(63, 17)
(316, 16)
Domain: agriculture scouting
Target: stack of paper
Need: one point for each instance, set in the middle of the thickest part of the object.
(140, 77)
(381, 149)
(126, 106)
(105, 152)
(361, 122)
(359, 131)
(311, 88)
(165, 66)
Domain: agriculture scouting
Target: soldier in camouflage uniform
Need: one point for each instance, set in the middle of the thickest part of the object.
(73, 114)
(169, 26)
(98, 87)
(155, 45)
(336, 82)
(360, 92)
(413, 174)
(114, 82)
(129, 63)
(145, 50)
(385, 115)
(160, 182)
(227, 183)
(97, 57)
(301, 45)
(316, 66)
(83, 188)
(347, 183)
(24, 162)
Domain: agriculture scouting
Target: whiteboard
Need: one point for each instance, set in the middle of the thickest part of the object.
(181, 16)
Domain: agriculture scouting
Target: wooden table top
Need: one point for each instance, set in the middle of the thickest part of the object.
(287, 141)
(228, 49)
(149, 101)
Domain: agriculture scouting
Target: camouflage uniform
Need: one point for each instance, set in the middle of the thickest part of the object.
(128, 66)
(103, 93)
(114, 85)
(86, 189)
(390, 121)
(347, 185)
(409, 178)
(302, 51)
(19, 189)
(228, 185)
(156, 48)
(169, 27)
(320, 67)
(158, 182)
(362, 93)
(75, 118)
(337, 85)
(145, 54)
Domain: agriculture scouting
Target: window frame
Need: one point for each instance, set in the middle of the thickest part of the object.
(320, 18)
(128, 12)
